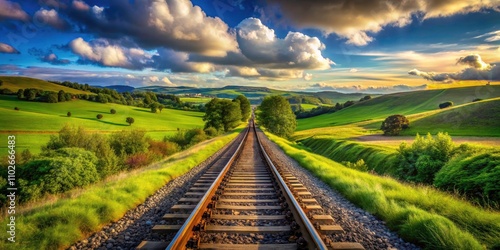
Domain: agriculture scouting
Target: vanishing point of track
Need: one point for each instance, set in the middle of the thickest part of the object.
(243, 201)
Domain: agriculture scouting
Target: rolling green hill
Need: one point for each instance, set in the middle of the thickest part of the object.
(479, 118)
(34, 122)
(14, 83)
(399, 103)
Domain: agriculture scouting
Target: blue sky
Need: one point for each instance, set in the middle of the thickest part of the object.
(378, 46)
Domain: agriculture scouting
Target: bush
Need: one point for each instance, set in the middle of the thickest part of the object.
(163, 148)
(52, 97)
(99, 116)
(68, 114)
(57, 172)
(424, 158)
(16, 108)
(477, 100)
(129, 142)
(211, 131)
(474, 173)
(112, 111)
(445, 105)
(195, 135)
(393, 124)
(360, 165)
(137, 160)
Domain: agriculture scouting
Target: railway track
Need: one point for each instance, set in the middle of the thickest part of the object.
(244, 202)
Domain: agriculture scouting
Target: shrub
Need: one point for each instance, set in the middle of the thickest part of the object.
(211, 131)
(57, 172)
(129, 142)
(137, 160)
(474, 173)
(195, 135)
(16, 108)
(393, 124)
(360, 165)
(112, 111)
(130, 120)
(99, 116)
(163, 148)
(477, 100)
(424, 158)
(445, 105)
(68, 114)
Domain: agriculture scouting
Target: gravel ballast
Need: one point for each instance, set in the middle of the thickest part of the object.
(136, 225)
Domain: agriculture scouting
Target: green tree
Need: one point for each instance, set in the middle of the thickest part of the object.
(112, 111)
(30, 94)
(99, 116)
(130, 120)
(244, 107)
(20, 94)
(52, 97)
(61, 96)
(393, 124)
(154, 107)
(68, 114)
(129, 142)
(161, 107)
(222, 114)
(277, 116)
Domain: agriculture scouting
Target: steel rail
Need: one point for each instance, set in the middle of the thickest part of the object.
(182, 236)
(313, 239)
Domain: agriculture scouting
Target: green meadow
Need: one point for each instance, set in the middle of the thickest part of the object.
(14, 83)
(406, 103)
(196, 100)
(34, 122)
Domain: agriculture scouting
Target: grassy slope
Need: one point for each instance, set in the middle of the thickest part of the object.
(196, 100)
(480, 118)
(79, 214)
(35, 122)
(423, 215)
(14, 83)
(400, 103)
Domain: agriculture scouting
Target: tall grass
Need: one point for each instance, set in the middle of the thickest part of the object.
(58, 225)
(379, 159)
(420, 214)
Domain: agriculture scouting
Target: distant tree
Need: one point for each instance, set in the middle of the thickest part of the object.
(52, 97)
(68, 114)
(244, 107)
(130, 120)
(154, 107)
(365, 98)
(68, 96)
(16, 108)
(99, 116)
(477, 100)
(277, 116)
(393, 124)
(61, 96)
(112, 111)
(445, 105)
(102, 98)
(348, 103)
(222, 114)
(161, 107)
(31, 94)
(20, 94)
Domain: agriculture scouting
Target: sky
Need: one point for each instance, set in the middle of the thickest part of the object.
(376, 46)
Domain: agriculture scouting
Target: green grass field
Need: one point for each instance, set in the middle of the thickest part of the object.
(63, 220)
(307, 106)
(195, 100)
(36, 121)
(478, 119)
(406, 103)
(419, 214)
(14, 83)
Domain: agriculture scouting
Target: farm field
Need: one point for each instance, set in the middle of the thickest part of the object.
(34, 122)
